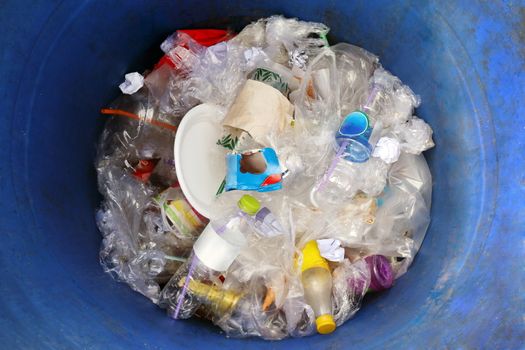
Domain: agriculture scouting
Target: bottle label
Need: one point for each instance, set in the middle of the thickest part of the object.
(214, 251)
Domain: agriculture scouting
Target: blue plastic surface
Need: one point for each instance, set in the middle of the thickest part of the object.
(60, 61)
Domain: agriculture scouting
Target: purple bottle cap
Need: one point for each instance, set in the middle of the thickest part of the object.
(381, 273)
(262, 213)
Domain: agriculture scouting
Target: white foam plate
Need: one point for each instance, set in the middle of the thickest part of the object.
(199, 162)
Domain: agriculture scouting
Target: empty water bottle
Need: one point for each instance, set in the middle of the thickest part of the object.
(213, 253)
(354, 142)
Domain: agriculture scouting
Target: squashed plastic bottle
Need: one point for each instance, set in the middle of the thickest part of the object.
(237, 312)
(317, 284)
(214, 251)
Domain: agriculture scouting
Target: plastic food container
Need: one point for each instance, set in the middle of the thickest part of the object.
(61, 62)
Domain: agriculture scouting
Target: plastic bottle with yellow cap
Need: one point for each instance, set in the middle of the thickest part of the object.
(317, 284)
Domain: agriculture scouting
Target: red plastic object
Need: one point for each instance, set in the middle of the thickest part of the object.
(272, 179)
(208, 37)
(144, 169)
(165, 60)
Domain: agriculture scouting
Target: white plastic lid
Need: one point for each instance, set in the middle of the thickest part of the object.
(218, 252)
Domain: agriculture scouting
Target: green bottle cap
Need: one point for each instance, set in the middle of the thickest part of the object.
(248, 204)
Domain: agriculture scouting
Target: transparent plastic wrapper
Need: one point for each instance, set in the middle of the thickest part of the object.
(258, 59)
(317, 99)
(134, 163)
(168, 89)
(268, 259)
(306, 146)
(355, 66)
(119, 219)
(168, 84)
(350, 283)
(253, 35)
(293, 40)
(348, 178)
(217, 74)
(303, 161)
(411, 175)
(300, 317)
(250, 315)
(403, 214)
(181, 39)
(352, 221)
(132, 251)
(388, 100)
(129, 199)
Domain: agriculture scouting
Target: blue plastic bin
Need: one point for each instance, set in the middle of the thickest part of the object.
(60, 61)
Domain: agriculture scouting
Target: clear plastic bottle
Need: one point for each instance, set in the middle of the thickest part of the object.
(317, 284)
(214, 251)
(354, 143)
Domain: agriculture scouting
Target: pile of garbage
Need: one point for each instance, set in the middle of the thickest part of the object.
(264, 180)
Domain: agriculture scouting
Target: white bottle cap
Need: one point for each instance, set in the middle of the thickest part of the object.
(215, 251)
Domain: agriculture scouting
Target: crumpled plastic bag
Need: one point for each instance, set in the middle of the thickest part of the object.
(350, 283)
(286, 36)
(355, 67)
(388, 100)
(403, 214)
(415, 136)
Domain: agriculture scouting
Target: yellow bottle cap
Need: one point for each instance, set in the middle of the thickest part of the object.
(248, 204)
(312, 257)
(325, 324)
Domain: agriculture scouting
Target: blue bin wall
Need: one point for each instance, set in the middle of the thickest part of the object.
(60, 61)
